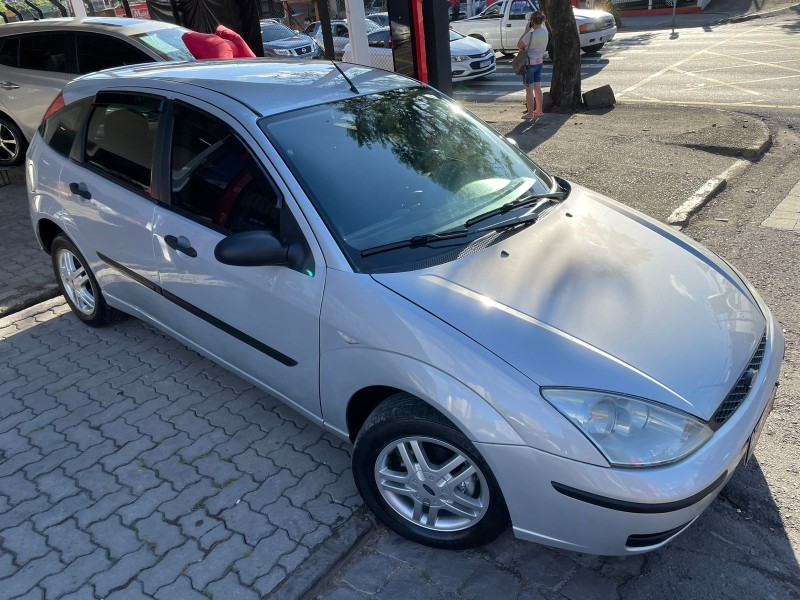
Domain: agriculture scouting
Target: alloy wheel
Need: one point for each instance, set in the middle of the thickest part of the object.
(76, 282)
(9, 144)
(432, 484)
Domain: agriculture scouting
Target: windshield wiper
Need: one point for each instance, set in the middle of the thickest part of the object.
(417, 240)
(514, 204)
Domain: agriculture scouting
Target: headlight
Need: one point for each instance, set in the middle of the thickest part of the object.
(283, 52)
(630, 432)
(590, 27)
(459, 58)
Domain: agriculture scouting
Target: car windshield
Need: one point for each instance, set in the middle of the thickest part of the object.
(455, 36)
(390, 166)
(270, 33)
(167, 43)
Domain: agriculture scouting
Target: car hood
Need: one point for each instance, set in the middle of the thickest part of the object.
(598, 296)
(290, 42)
(467, 46)
(583, 15)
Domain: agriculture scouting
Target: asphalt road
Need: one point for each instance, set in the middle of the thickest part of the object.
(753, 64)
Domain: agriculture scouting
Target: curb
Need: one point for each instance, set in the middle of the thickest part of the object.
(759, 15)
(680, 216)
(28, 300)
(324, 562)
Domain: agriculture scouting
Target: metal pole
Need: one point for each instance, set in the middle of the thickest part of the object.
(61, 8)
(127, 8)
(35, 8)
(674, 9)
(357, 29)
(325, 25)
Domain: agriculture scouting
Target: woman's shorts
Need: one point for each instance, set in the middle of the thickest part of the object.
(533, 74)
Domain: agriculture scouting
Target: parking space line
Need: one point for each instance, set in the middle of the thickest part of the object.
(777, 62)
(688, 58)
(763, 79)
(759, 63)
(717, 82)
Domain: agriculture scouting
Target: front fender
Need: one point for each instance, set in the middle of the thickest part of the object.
(339, 382)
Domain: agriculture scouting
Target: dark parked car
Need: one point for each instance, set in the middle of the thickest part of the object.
(279, 40)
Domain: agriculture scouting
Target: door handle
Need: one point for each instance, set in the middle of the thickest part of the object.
(8, 85)
(508, 24)
(80, 189)
(180, 244)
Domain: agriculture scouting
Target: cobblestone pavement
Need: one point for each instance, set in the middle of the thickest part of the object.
(131, 467)
(723, 555)
(25, 270)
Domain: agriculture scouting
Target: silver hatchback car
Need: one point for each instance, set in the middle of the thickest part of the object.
(498, 343)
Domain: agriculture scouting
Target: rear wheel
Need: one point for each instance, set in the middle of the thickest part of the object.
(78, 284)
(424, 479)
(12, 143)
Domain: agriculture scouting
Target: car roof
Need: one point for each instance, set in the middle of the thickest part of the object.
(118, 25)
(266, 86)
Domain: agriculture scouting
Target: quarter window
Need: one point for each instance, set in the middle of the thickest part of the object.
(121, 137)
(60, 129)
(215, 178)
(44, 52)
(9, 54)
(97, 52)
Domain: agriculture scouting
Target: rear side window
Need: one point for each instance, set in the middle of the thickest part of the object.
(97, 52)
(121, 137)
(9, 53)
(60, 130)
(44, 52)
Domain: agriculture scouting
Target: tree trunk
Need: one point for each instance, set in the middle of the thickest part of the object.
(565, 89)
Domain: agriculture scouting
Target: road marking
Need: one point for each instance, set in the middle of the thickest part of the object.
(717, 82)
(759, 63)
(777, 62)
(760, 80)
(705, 193)
(685, 60)
(787, 214)
(701, 103)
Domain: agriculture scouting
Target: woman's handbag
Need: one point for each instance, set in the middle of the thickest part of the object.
(520, 62)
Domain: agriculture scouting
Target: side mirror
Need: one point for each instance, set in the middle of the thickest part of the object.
(252, 249)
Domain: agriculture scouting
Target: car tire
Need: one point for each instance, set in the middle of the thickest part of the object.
(468, 513)
(79, 286)
(12, 143)
(593, 48)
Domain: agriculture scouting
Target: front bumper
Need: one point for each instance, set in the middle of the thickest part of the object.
(612, 511)
(597, 37)
(473, 68)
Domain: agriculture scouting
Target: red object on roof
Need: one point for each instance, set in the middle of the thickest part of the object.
(242, 49)
(224, 43)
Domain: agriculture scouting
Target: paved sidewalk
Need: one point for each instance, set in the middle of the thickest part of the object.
(130, 467)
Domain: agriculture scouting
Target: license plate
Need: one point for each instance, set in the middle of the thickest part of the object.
(484, 63)
(759, 426)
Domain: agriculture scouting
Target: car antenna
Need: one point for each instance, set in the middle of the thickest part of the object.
(353, 88)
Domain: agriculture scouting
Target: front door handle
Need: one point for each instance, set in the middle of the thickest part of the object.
(180, 244)
(80, 189)
(8, 85)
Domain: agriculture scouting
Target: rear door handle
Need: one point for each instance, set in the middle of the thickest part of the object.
(8, 85)
(180, 244)
(80, 189)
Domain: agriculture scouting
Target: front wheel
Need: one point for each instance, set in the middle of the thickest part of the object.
(593, 48)
(424, 479)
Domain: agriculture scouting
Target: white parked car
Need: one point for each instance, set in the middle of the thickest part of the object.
(37, 58)
(498, 343)
(340, 32)
(469, 58)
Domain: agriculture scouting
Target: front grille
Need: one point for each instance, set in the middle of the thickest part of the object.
(743, 386)
(482, 54)
(476, 65)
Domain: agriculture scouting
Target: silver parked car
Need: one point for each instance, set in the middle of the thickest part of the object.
(499, 344)
(37, 58)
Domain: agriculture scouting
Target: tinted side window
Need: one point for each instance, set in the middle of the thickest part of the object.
(60, 129)
(9, 53)
(43, 52)
(121, 137)
(215, 178)
(97, 52)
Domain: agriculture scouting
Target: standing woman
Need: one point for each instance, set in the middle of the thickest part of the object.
(534, 42)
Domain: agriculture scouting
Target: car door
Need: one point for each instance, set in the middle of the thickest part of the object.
(515, 22)
(260, 321)
(35, 67)
(106, 189)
